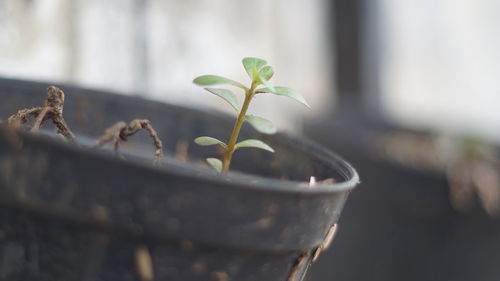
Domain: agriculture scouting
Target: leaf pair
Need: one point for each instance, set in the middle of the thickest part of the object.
(216, 163)
(255, 68)
(258, 71)
(230, 97)
(261, 73)
(206, 141)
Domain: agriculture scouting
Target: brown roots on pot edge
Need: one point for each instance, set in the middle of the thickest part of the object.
(120, 131)
(52, 109)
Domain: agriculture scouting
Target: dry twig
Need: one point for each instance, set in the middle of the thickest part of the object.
(52, 109)
(120, 131)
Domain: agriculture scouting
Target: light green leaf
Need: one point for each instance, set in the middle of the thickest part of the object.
(284, 91)
(267, 72)
(261, 124)
(206, 141)
(210, 80)
(254, 143)
(215, 163)
(227, 96)
(253, 63)
(266, 83)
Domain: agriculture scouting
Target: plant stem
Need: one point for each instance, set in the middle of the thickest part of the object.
(228, 154)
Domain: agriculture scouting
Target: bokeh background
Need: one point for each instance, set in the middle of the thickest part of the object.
(408, 91)
(156, 48)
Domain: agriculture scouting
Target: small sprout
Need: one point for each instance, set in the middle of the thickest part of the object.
(120, 131)
(260, 73)
(253, 66)
(52, 109)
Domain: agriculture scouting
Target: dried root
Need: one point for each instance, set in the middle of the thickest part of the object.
(120, 131)
(52, 109)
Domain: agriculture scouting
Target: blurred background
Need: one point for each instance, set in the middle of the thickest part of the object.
(156, 48)
(408, 91)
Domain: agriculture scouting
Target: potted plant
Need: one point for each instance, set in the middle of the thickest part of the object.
(71, 211)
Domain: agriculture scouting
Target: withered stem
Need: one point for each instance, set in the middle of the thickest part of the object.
(52, 109)
(120, 131)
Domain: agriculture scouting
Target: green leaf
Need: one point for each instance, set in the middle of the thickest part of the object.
(284, 91)
(261, 124)
(252, 64)
(206, 141)
(227, 96)
(209, 80)
(215, 163)
(254, 143)
(264, 81)
(267, 72)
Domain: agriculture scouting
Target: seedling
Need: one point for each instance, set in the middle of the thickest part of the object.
(260, 73)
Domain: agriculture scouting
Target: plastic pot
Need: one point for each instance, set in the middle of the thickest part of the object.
(68, 212)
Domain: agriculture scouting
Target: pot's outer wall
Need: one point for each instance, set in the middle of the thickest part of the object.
(37, 248)
(94, 192)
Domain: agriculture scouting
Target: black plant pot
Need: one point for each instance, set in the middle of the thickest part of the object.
(68, 212)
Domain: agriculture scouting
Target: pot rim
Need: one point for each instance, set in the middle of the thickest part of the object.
(235, 179)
